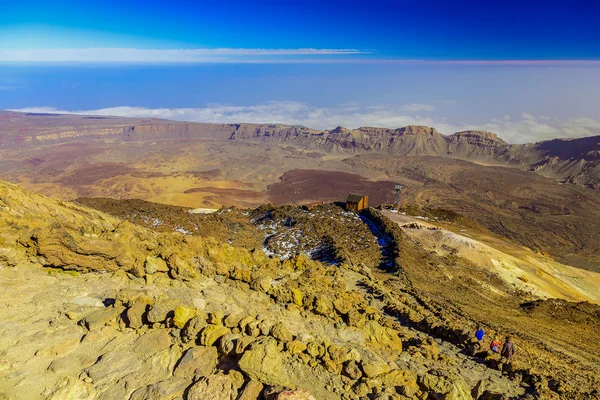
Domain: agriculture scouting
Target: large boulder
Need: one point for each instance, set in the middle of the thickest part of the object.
(182, 315)
(214, 387)
(382, 337)
(251, 391)
(373, 366)
(296, 394)
(211, 333)
(99, 318)
(444, 385)
(197, 362)
(193, 327)
(404, 381)
(170, 389)
(135, 315)
(264, 362)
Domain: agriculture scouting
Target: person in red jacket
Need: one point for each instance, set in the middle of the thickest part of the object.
(495, 345)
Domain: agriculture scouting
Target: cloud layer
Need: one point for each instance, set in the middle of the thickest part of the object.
(523, 129)
(249, 55)
(218, 55)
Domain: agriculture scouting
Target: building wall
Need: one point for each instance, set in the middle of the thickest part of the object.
(361, 205)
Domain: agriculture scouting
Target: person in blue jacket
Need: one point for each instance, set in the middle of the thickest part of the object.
(479, 333)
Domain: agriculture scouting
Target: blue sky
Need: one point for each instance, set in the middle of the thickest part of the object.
(529, 70)
(401, 28)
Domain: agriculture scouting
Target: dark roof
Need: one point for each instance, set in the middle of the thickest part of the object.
(354, 198)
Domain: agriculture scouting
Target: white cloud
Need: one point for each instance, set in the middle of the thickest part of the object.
(533, 129)
(527, 116)
(417, 107)
(168, 55)
(527, 129)
(245, 55)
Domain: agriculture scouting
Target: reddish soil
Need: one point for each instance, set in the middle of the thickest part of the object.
(35, 161)
(90, 174)
(238, 194)
(309, 186)
(209, 175)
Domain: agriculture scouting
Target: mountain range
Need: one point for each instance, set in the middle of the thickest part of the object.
(574, 161)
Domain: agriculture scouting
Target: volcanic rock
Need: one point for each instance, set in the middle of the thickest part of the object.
(197, 362)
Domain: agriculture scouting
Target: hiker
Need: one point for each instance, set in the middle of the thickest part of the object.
(508, 349)
(496, 345)
(479, 333)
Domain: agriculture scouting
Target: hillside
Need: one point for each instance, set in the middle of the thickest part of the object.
(110, 309)
(574, 160)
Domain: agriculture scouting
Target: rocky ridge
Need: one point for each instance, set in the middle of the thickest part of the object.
(570, 160)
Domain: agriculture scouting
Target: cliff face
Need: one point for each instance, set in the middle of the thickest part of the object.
(571, 160)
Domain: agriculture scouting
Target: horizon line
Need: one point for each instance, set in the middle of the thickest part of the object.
(115, 55)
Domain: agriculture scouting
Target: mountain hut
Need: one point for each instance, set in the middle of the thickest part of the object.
(357, 202)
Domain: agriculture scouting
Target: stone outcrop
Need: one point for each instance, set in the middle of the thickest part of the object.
(75, 238)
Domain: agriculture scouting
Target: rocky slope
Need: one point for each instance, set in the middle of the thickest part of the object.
(101, 308)
(170, 316)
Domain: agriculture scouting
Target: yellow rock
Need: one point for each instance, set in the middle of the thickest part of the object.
(153, 265)
(215, 318)
(374, 366)
(297, 297)
(212, 333)
(380, 336)
(241, 274)
(400, 377)
(182, 316)
(295, 347)
(332, 366)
